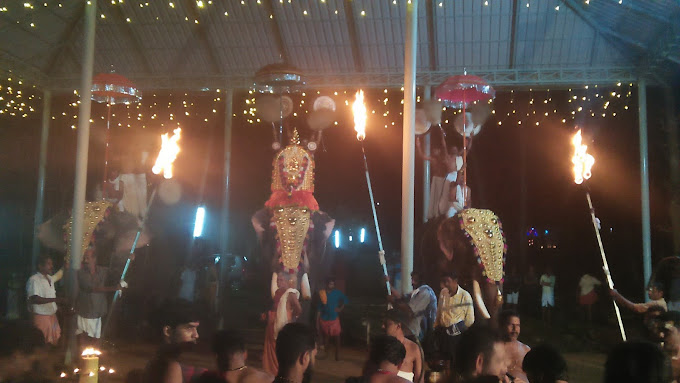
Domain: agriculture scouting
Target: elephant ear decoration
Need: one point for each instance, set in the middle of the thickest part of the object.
(484, 231)
(95, 215)
(292, 203)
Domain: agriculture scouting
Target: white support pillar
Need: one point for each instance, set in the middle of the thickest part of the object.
(644, 184)
(40, 197)
(82, 149)
(224, 218)
(409, 149)
(427, 94)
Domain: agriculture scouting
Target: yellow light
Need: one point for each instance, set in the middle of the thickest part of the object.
(583, 162)
(167, 154)
(199, 3)
(171, 4)
(359, 111)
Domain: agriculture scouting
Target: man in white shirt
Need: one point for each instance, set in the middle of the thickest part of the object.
(547, 281)
(588, 295)
(455, 314)
(42, 299)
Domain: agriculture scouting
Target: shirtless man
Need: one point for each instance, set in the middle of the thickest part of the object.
(394, 324)
(515, 350)
(231, 353)
(385, 358)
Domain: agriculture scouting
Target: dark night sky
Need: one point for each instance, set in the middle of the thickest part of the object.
(552, 200)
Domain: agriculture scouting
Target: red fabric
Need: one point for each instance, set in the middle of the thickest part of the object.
(269, 361)
(296, 198)
(588, 299)
(463, 88)
(330, 327)
(112, 79)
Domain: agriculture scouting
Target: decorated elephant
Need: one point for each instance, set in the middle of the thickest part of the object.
(107, 232)
(472, 244)
(292, 231)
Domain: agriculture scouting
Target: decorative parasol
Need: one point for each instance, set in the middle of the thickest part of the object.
(459, 92)
(278, 78)
(112, 88)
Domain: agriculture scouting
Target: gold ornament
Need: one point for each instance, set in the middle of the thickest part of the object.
(483, 229)
(292, 224)
(293, 168)
(94, 214)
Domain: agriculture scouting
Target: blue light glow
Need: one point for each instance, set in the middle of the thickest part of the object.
(362, 235)
(337, 239)
(198, 224)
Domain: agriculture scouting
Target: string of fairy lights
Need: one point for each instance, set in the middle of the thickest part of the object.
(28, 7)
(167, 110)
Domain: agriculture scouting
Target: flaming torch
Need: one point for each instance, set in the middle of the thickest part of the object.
(166, 156)
(583, 162)
(359, 111)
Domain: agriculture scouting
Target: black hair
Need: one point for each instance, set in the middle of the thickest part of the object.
(505, 316)
(472, 343)
(225, 345)
(175, 312)
(640, 362)
(655, 284)
(19, 336)
(293, 341)
(43, 258)
(671, 316)
(402, 316)
(449, 274)
(544, 364)
(329, 280)
(386, 348)
(655, 308)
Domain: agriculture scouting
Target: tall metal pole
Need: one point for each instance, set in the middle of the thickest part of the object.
(80, 182)
(409, 138)
(644, 185)
(40, 197)
(605, 264)
(224, 218)
(427, 93)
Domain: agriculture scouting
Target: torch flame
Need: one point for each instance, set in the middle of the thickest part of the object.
(168, 154)
(91, 352)
(359, 110)
(582, 161)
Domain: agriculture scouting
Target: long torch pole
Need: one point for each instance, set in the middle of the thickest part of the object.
(381, 250)
(116, 295)
(605, 266)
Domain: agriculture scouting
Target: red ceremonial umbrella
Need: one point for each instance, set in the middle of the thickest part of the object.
(112, 89)
(458, 92)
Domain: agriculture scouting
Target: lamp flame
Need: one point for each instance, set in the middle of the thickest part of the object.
(91, 352)
(167, 154)
(583, 162)
(359, 110)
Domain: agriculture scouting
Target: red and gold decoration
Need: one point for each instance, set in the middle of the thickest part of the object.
(484, 231)
(292, 201)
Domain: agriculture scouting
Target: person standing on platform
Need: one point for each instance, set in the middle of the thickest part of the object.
(547, 281)
(91, 303)
(285, 309)
(332, 302)
(42, 299)
(588, 295)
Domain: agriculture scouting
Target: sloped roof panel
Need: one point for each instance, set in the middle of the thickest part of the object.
(316, 36)
(471, 35)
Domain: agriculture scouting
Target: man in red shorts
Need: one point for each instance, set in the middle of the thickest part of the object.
(332, 301)
(588, 295)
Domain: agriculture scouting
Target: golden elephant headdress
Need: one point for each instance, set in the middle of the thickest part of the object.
(484, 231)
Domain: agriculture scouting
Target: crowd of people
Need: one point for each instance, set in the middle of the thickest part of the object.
(427, 336)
